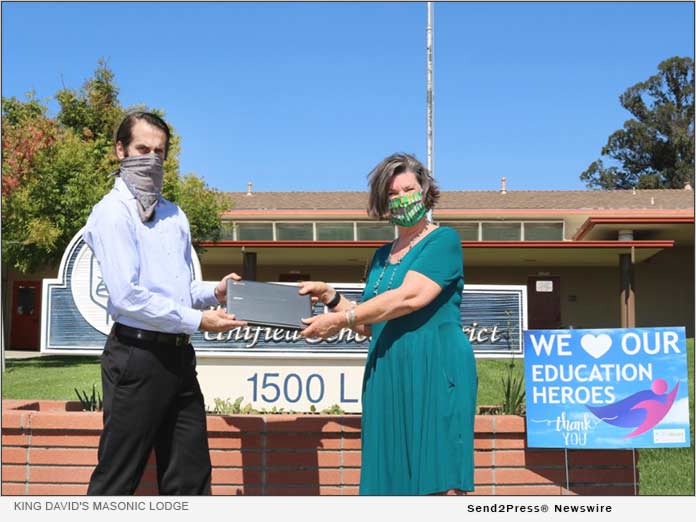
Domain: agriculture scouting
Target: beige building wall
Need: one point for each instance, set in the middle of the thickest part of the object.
(589, 295)
(665, 290)
(342, 274)
(596, 290)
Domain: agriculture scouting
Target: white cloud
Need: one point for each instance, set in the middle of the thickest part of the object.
(678, 413)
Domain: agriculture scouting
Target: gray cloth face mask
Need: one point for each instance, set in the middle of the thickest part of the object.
(143, 176)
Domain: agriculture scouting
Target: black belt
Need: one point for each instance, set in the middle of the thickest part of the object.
(137, 334)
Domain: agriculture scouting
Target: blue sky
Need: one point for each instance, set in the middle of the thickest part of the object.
(310, 96)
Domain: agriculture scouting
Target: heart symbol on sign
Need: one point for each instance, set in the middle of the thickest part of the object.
(596, 345)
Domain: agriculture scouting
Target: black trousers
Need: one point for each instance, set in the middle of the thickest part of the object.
(151, 399)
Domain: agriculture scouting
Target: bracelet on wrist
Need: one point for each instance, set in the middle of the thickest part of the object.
(334, 302)
(350, 317)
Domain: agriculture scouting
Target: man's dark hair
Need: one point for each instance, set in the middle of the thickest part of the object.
(124, 132)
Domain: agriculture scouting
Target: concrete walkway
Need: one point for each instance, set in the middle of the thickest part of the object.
(23, 354)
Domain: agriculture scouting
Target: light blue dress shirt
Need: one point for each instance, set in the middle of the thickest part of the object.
(147, 266)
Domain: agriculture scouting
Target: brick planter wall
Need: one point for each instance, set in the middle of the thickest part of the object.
(50, 448)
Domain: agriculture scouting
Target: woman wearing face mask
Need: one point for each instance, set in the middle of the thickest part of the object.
(419, 385)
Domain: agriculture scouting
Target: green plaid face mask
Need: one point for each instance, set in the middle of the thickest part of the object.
(407, 210)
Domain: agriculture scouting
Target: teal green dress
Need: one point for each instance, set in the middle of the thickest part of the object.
(419, 385)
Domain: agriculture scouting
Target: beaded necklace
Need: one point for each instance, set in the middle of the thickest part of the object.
(395, 265)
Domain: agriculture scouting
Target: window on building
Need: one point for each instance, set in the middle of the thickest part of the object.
(543, 231)
(255, 231)
(227, 231)
(294, 232)
(467, 231)
(335, 231)
(375, 231)
(26, 299)
(501, 231)
(344, 231)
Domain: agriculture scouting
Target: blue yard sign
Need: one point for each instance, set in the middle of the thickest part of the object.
(607, 388)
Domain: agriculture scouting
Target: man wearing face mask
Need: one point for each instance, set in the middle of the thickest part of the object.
(152, 398)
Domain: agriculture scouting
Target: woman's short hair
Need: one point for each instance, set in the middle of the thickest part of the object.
(380, 177)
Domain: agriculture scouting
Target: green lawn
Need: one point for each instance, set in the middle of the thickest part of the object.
(56, 376)
(490, 375)
(50, 377)
(668, 471)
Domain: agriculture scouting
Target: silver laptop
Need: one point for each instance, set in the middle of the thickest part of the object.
(268, 304)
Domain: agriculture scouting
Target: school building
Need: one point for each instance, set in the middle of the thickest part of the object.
(589, 259)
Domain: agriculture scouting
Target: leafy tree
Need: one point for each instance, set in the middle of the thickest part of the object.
(25, 131)
(52, 204)
(202, 205)
(93, 111)
(655, 148)
(15, 112)
(54, 170)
